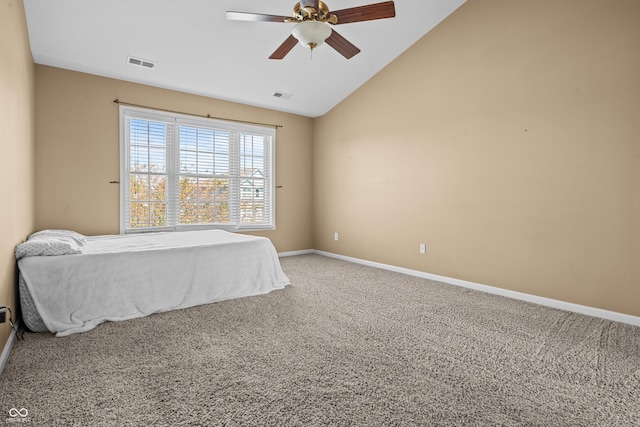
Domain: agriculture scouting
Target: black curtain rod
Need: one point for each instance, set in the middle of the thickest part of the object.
(208, 116)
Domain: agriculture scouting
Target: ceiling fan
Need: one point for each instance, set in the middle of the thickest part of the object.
(312, 18)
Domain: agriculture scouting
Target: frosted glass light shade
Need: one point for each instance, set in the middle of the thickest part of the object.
(311, 34)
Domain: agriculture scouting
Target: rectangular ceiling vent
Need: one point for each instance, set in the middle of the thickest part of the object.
(141, 62)
(282, 95)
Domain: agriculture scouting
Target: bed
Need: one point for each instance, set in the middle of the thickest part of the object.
(69, 283)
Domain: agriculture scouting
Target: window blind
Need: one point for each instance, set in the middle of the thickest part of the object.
(182, 172)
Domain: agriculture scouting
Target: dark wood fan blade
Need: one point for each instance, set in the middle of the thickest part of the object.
(342, 45)
(245, 16)
(284, 48)
(366, 13)
(306, 3)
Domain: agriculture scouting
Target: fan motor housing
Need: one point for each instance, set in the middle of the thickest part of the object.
(310, 14)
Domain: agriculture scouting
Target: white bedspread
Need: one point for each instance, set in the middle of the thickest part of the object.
(128, 276)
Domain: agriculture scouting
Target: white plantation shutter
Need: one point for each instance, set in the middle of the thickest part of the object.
(183, 172)
(255, 166)
(144, 203)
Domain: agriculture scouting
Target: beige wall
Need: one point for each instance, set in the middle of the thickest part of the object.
(77, 153)
(507, 140)
(16, 147)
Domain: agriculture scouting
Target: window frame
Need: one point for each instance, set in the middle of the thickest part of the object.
(172, 172)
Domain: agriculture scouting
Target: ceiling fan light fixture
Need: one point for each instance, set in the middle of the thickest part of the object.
(311, 34)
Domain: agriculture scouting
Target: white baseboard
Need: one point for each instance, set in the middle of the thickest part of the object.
(568, 306)
(294, 253)
(7, 349)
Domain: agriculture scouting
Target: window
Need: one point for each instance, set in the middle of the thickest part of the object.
(181, 172)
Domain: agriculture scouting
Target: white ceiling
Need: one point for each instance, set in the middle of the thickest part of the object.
(198, 51)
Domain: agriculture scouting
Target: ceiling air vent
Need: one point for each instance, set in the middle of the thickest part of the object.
(282, 95)
(141, 62)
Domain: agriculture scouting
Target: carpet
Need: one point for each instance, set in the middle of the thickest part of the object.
(344, 345)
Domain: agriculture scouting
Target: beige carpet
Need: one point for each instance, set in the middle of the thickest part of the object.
(345, 345)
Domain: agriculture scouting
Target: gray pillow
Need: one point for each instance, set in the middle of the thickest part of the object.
(79, 238)
(48, 246)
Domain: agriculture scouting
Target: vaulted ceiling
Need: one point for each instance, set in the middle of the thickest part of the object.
(197, 50)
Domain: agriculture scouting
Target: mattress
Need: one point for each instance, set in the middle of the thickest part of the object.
(123, 277)
(30, 315)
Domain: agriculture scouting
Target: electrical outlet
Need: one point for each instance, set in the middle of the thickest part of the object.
(3, 315)
(335, 236)
(423, 248)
